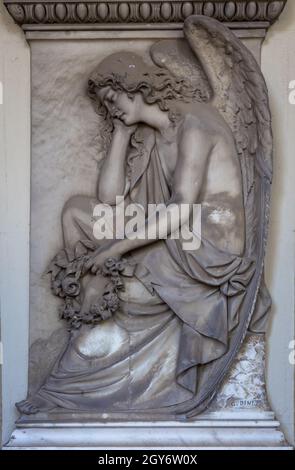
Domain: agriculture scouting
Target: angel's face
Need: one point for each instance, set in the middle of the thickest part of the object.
(120, 105)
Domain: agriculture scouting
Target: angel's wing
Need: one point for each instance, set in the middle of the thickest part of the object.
(240, 94)
(228, 76)
(177, 56)
(238, 91)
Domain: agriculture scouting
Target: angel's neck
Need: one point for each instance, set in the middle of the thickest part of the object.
(154, 117)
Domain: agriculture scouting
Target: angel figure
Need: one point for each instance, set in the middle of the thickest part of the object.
(154, 327)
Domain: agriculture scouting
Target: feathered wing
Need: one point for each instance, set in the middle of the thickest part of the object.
(235, 86)
(240, 94)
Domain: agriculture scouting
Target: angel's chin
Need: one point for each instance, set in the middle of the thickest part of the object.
(128, 121)
(125, 119)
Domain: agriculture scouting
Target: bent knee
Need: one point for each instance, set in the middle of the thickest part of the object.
(74, 205)
(71, 204)
(102, 340)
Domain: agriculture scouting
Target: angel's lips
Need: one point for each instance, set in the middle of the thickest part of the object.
(114, 111)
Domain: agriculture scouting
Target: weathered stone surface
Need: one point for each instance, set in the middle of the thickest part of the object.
(244, 386)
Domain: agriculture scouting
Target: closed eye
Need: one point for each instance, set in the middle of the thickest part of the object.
(111, 96)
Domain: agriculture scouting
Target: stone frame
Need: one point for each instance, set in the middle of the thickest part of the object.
(46, 15)
(44, 19)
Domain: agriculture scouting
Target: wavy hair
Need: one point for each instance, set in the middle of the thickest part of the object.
(127, 72)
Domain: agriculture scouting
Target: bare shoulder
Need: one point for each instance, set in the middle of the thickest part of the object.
(195, 143)
(201, 120)
(193, 131)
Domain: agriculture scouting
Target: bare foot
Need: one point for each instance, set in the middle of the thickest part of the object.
(27, 407)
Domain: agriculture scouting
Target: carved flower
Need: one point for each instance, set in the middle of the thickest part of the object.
(71, 286)
(112, 301)
(117, 281)
(56, 287)
(106, 314)
(110, 263)
(121, 264)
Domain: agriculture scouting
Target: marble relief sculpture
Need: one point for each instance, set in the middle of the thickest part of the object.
(155, 327)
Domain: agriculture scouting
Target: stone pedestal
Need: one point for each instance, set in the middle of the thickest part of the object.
(219, 431)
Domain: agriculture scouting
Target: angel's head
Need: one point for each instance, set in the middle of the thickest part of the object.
(128, 107)
(123, 85)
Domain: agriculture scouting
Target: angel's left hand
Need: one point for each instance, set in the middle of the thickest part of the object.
(100, 255)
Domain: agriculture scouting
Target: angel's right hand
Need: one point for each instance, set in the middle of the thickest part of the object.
(120, 127)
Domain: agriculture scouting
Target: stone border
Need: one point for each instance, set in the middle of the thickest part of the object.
(224, 432)
(45, 13)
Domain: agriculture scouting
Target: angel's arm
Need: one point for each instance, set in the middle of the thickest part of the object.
(111, 181)
(194, 151)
